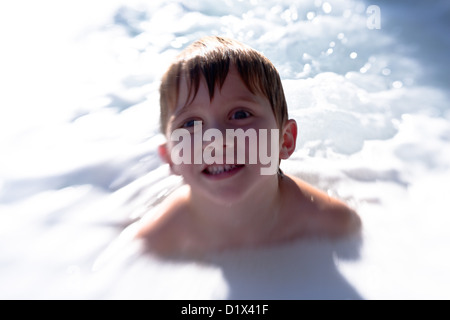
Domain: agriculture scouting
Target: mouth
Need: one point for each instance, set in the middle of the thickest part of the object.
(222, 171)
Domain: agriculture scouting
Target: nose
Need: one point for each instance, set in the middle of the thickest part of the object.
(214, 143)
(214, 133)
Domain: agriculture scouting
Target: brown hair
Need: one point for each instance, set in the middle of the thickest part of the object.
(211, 57)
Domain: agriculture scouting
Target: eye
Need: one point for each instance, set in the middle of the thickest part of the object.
(241, 114)
(191, 123)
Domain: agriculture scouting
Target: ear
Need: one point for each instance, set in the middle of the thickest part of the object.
(289, 139)
(164, 154)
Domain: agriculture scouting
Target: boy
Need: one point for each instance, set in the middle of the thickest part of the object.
(217, 85)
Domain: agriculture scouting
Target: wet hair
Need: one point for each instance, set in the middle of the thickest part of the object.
(211, 58)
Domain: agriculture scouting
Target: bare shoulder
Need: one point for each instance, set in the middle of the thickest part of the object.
(163, 228)
(322, 214)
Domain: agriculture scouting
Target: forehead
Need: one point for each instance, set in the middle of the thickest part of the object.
(232, 89)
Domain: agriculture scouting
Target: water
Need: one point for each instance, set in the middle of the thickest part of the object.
(79, 131)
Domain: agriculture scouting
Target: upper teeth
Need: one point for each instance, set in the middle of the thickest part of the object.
(220, 169)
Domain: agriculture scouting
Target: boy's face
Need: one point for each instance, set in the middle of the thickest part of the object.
(233, 107)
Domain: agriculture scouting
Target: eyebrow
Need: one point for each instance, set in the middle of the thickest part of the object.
(250, 99)
(184, 110)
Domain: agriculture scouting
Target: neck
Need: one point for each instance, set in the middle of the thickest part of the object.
(247, 221)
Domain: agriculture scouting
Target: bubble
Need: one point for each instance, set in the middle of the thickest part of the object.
(386, 71)
(307, 68)
(330, 51)
(332, 44)
(347, 13)
(276, 10)
(397, 84)
(290, 14)
(310, 15)
(327, 8)
(307, 56)
(353, 55)
(366, 67)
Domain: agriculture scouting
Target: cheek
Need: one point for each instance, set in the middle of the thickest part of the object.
(185, 150)
(181, 169)
(188, 172)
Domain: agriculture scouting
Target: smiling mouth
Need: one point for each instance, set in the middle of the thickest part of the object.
(222, 170)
